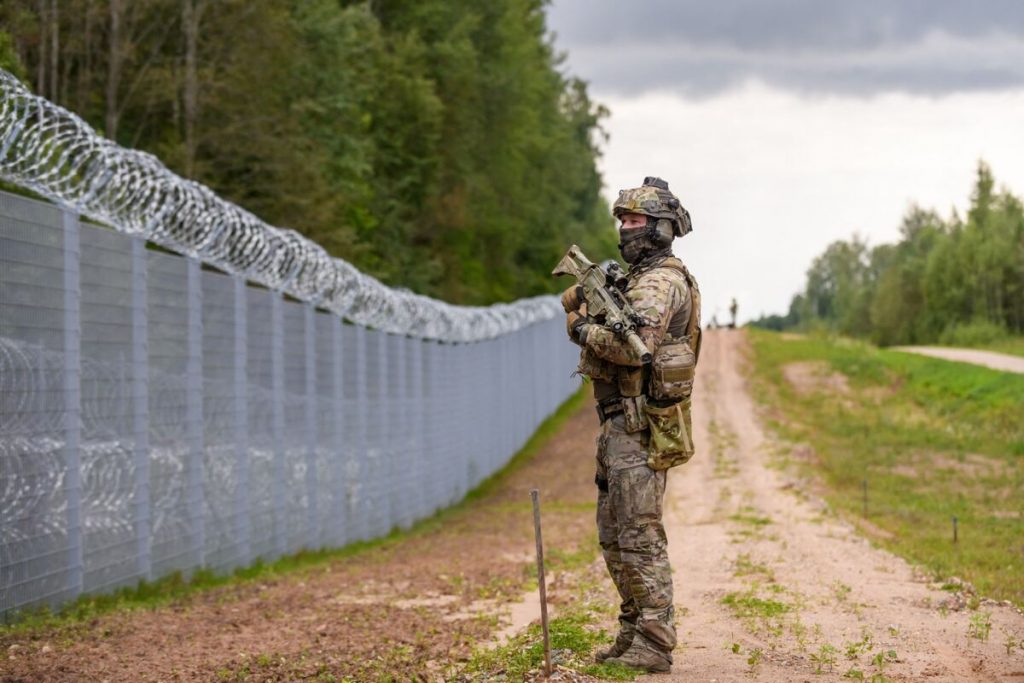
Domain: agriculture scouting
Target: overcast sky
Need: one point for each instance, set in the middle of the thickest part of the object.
(785, 125)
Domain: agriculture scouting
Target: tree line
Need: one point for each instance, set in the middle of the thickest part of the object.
(438, 145)
(956, 280)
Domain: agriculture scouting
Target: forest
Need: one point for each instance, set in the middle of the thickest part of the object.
(958, 280)
(439, 146)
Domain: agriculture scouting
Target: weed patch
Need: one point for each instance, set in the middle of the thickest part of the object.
(574, 637)
(745, 605)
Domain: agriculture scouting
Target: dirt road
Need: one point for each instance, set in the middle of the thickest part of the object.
(990, 359)
(812, 589)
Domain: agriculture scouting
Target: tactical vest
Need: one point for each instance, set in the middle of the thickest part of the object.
(670, 384)
(670, 375)
(672, 370)
(686, 326)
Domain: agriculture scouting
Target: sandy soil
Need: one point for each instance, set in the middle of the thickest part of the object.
(990, 359)
(735, 523)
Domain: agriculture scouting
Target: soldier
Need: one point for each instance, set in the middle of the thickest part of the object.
(732, 311)
(632, 402)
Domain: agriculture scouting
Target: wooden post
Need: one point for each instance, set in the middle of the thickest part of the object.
(535, 496)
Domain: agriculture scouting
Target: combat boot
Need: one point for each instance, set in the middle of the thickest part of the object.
(619, 647)
(641, 655)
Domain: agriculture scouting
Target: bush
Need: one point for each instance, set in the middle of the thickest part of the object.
(976, 333)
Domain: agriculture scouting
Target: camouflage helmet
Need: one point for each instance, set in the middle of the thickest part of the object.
(654, 199)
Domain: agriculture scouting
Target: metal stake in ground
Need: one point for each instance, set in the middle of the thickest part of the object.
(535, 496)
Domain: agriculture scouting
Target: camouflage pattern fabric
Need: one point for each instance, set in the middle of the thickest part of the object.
(656, 293)
(631, 493)
(632, 536)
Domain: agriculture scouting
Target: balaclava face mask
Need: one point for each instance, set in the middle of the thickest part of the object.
(634, 244)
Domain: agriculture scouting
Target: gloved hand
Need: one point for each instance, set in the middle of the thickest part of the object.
(572, 299)
(576, 325)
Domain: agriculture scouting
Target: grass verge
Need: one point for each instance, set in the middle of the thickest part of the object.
(926, 439)
(176, 587)
(1011, 345)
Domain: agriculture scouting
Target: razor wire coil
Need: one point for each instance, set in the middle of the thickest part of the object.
(53, 152)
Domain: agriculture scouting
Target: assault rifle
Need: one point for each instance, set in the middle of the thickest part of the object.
(606, 303)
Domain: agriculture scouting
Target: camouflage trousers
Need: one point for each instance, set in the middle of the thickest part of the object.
(629, 527)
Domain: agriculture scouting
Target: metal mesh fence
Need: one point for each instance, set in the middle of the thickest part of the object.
(159, 416)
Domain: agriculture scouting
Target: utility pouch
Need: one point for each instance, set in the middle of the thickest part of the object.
(633, 410)
(595, 368)
(671, 443)
(672, 370)
(631, 381)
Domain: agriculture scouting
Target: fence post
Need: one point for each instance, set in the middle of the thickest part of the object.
(339, 486)
(417, 433)
(194, 413)
(430, 469)
(73, 402)
(240, 419)
(401, 470)
(277, 420)
(382, 474)
(361, 497)
(312, 519)
(140, 409)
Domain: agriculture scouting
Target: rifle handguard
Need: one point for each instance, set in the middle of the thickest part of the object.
(637, 344)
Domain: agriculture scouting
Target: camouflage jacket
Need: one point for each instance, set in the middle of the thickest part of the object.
(657, 292)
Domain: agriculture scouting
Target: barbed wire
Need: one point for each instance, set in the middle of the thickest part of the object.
(51, 151)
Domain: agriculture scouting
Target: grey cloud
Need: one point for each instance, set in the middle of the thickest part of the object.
(921, 46)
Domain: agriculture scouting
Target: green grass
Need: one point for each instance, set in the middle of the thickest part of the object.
(932, 439)
(749, 517)
(176, 587)
(556, 559)
(574, 638)
(1011, 345)
(747, 605)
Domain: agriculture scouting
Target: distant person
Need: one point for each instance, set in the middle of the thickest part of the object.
(732, 312)
(645, 418)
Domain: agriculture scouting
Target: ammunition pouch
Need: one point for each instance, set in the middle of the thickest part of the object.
(631, 380)
(631, 409)
(672, 370)
(671, 443)
(606, 411)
